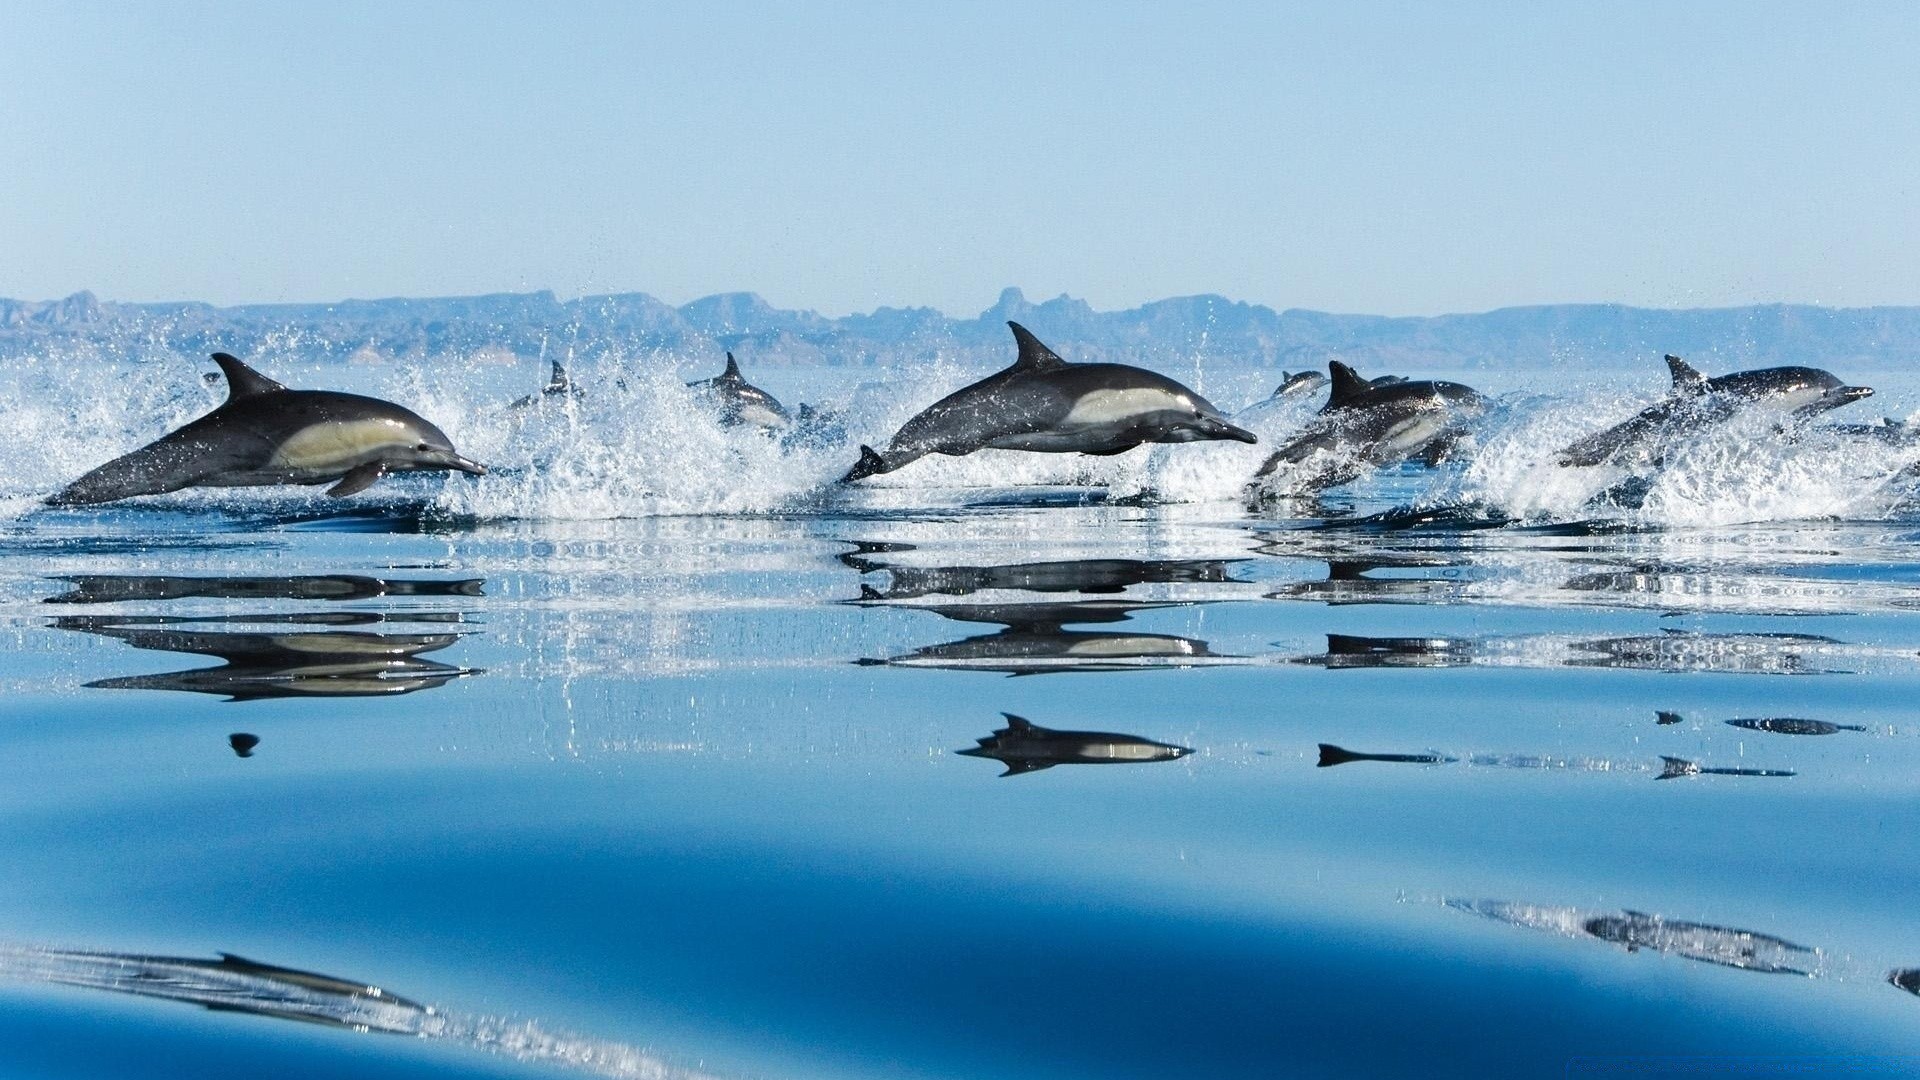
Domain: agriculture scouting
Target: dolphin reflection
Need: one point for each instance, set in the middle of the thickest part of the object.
(118, 588)
(1024, 747)
(235, 984)
(1635, 930)
(289, 663)
(1034, 640)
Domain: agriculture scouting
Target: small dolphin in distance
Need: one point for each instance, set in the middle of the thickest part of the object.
(1300, 382)
(1367, 424)
(742, 402)
(1047, 405)
(1023, 747)
(266, 434)
(1697, 402)
(558, 385)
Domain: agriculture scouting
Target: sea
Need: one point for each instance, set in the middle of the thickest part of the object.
(657, 753)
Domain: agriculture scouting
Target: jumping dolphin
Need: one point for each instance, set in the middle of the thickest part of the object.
(1367, 424)
(559, 385)
(1698, 402)
(268, 434)
(1023, 747)
(740, 401)
(1300, 382)
(1044, 404)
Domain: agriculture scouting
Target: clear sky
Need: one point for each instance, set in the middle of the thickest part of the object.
(1412, 158)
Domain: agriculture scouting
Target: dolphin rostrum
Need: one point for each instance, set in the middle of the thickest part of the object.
(742, 402)
(1697, 402)
(267, 434)
(1023, 746)
(1370, 423)
(1045, 404)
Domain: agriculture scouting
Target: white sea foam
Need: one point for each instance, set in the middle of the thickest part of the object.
(636, 442)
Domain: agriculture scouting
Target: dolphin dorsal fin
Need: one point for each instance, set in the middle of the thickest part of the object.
(243, 381)
(1347, 383)
(1685, 378)
(1033, 355)
(1017, 723)
(733, 368)
(559, 384)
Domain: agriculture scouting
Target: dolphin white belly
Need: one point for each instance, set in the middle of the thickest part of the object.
(335, 447)
(1103, 408)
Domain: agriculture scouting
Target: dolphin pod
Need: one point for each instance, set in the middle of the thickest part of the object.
(267, 434)
(1045, 404)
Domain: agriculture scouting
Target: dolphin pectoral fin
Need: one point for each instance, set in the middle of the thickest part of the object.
(357, 480)
(870, 464)
(1111, 452)
(1025, 765)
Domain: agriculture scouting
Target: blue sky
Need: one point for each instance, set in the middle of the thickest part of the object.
(1413, 158)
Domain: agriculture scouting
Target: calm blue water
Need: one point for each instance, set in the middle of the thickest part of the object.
(641, 756)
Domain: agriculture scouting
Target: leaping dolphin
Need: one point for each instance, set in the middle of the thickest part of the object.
(1044, 404)
(742, 402)
(267, 434)
(1371, 423)
(1698, 402)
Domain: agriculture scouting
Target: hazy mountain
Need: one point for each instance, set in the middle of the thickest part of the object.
(526, 325)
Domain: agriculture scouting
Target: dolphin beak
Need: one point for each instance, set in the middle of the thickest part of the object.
(467, 465)
(1238, 434)
(1855, 393)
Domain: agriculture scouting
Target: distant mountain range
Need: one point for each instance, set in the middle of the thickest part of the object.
(527, 325)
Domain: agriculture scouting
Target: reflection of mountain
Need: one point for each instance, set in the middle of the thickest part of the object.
(1035, 641)
(290, 663)
(1671, 650)
(116, 588)
(1724, 946)
(1094, 576)
(1023, 746)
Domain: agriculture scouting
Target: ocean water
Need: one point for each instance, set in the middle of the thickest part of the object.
(656, 754)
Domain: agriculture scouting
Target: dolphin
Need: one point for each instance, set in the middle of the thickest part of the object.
(1697, 402)
(1673, 768)
(1371, 423)
(558, 385)
(1024, 746)
(1044, 404)
(267, 434)
(1300, 382)
(741, 402)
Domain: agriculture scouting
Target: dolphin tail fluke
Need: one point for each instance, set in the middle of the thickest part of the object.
(1672, 768)
(1331, 755)
(1664, 717)
(870, 464)
(1685, 377)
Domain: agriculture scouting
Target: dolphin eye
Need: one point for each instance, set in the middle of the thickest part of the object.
(423, 448)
